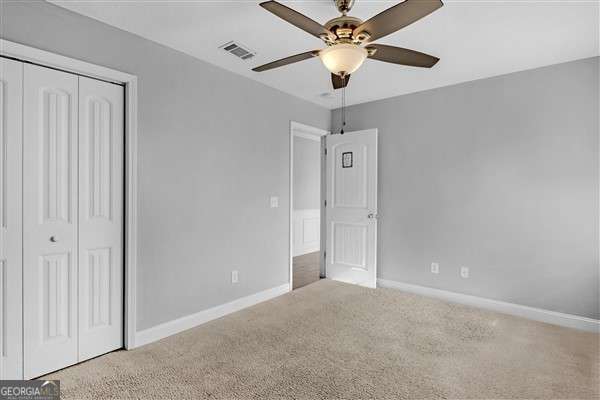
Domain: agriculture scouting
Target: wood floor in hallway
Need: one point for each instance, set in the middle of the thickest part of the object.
(306, 269)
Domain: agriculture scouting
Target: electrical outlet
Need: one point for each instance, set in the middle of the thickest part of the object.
(234, 277)
(274, 202)
(435, 268)
(464, 272)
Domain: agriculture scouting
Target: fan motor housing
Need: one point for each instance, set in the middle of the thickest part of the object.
(343, 27)
(345, 21)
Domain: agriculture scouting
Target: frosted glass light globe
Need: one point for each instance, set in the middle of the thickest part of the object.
(343, 58)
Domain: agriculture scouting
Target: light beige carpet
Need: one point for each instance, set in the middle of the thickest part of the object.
(332, 340)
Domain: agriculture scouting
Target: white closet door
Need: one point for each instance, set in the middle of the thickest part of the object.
(100, 217)
(11, 91)
(49, 220)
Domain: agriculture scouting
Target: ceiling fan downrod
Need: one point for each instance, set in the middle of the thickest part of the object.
(343, 105)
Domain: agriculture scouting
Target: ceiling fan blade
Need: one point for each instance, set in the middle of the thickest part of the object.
(288, 60)
(397, 17)
(398, 55)
(295, 18)
(338, 82)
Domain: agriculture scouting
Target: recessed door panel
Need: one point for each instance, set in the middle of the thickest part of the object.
(99, 288)
(11, 100)
(352, 207)
(101, 144)
(350, 245)
(56, 291)
(56, 165)
(350, 179)
(97, 117)
(50, 168)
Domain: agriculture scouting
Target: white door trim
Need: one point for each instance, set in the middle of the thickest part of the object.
(312, 133)
(47, 59)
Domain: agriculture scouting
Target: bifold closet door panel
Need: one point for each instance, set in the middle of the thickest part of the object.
(11, 100)
(50, 167)
(101, 144)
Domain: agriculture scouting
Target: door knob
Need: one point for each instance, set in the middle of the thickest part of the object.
(372, 216)
(53, 239)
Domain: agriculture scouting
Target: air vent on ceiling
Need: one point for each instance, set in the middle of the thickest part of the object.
(238, 50)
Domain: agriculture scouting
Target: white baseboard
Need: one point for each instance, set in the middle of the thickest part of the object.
(184, 323)
(536, 314)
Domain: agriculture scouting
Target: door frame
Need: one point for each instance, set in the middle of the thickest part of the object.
(308, 132)
(44, 58)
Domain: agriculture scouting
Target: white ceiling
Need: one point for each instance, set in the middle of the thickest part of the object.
(474, 39)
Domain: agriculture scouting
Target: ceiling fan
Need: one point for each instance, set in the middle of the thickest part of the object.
(348, 39)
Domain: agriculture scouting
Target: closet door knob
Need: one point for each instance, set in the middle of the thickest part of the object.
(53, 239)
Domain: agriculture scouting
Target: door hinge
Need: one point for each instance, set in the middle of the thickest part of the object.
(325, 151)
(324, 254)
(325, 203)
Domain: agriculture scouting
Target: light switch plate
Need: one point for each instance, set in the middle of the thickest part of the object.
(464, 272)
(274, 201)
(234, 277)
(435, 268)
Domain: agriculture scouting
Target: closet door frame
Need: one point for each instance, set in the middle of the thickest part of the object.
(47, 59)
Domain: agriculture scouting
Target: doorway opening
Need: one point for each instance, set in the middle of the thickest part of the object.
(306, 204)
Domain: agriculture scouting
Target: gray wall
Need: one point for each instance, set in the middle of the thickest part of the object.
(307, 174)
(213, 146)
(500, 175)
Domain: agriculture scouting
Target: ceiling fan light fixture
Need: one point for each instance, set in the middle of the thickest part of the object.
(343, 58)
(349, 39)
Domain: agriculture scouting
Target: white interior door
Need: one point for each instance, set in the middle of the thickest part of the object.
(49, 219)
(11, 91)
(352, 208)
(101, 145)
